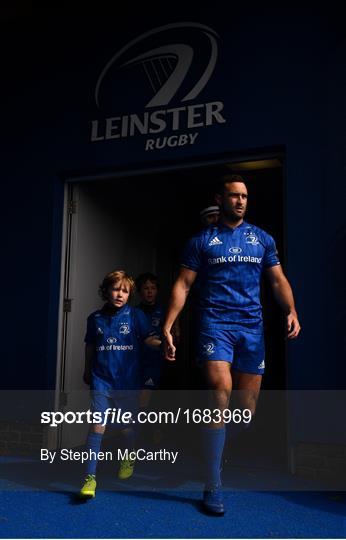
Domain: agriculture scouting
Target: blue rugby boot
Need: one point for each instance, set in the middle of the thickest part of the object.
(213, 500)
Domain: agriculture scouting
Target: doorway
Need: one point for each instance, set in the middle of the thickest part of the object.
(140, 223)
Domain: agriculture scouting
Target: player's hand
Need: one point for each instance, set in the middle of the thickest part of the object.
(293, 326)
(168, 347)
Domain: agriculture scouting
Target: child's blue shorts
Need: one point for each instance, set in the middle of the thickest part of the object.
(150, 376)
(151, 369)
(243, 349)
(124, 400)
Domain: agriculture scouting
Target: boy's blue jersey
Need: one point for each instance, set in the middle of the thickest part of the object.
(117, 339)
(229, 263)
(154, 315)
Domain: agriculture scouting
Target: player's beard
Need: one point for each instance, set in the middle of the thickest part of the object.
(231, 215)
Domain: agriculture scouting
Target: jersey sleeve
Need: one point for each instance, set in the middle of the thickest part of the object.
(90, 336)
(271, 257)
(143, 327)
(191, 256)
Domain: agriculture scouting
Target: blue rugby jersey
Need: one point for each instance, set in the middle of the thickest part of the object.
(117, 339)
(155, 316)
(229, 263)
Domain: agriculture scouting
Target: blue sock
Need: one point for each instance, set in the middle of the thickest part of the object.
(213, 441)
(93, 443)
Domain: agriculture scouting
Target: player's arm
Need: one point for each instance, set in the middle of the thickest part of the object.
(175, 331)
(176, 303)
(284, 296)
(89, 358)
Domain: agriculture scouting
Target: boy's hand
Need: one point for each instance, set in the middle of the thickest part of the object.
(168, 347)
(153, 341)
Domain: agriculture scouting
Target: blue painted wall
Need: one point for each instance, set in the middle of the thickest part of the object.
(282, 81)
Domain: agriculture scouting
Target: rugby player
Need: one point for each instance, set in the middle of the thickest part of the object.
(229, 259)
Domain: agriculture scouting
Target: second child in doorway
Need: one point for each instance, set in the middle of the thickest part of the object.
(152, 361)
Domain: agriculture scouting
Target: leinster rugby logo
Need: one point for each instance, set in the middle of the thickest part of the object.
(124, 329)
(209, 348)
(235, 250)
(157, 78)
(111, 340)
(165, 67)
(251, 239)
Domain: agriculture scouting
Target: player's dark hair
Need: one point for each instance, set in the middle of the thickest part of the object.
(227, 179)
(143, 278)
(114, 277)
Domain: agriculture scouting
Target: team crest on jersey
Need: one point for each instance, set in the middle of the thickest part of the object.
(124, 329)
(111, 340)
(99, 331)
(209, 348)
(155, 321)
(251, 238)
(215, 242)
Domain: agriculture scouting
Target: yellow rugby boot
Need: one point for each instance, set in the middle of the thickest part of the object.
(126, 468)
(89, 487)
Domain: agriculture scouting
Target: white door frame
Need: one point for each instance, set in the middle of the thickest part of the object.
(71, 183)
